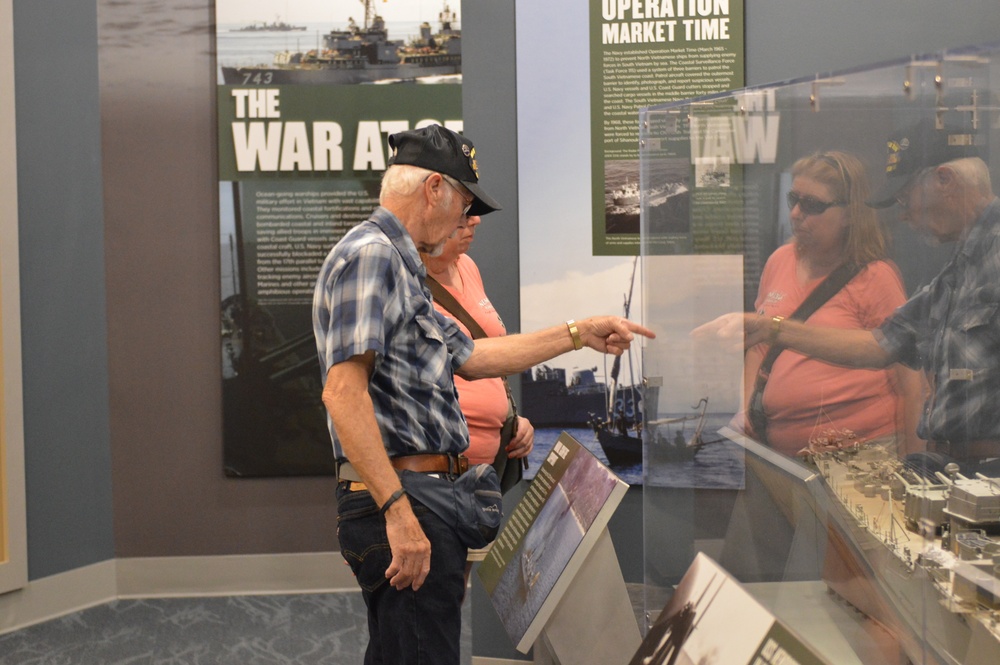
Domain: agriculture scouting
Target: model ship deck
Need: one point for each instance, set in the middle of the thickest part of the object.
(926, 551)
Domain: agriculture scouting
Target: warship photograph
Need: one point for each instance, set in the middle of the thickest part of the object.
(276, 26)
(667, 203)
(364, 54)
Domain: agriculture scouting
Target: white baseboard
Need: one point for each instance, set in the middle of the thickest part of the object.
(163, 577)
(257, 574)
(52, 597)
(481, 660)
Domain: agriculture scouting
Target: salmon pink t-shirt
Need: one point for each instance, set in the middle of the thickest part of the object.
(484, 401)
(805, 397)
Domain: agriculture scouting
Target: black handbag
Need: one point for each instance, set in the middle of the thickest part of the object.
(509, 471)
(826, 289)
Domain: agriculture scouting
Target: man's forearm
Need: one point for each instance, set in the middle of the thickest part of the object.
(501, 356)
(850, 348)
(512, 354)
(350, 406)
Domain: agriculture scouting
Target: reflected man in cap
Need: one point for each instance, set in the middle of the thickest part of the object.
(388, 359)
(951, 327)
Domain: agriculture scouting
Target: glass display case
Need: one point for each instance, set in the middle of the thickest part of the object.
(859, 504)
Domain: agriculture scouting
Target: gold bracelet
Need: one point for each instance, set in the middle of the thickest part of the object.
(776, 327)
(575, 334)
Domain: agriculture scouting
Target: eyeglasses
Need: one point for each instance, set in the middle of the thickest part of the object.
(903, 197)
(810, 205)
(468, 204)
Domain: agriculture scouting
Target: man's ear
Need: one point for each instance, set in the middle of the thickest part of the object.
(434, 189)
(945, 176)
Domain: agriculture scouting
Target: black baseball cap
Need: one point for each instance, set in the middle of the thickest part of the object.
(444, 151)
(918, 147)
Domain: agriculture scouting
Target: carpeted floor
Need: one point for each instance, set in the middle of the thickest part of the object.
(314, 629)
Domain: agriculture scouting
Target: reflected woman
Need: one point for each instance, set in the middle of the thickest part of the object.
(805, 403)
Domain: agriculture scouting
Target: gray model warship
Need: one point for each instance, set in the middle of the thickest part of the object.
(919, 556)
(362, 54)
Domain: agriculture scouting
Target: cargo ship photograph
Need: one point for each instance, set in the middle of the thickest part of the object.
(548, 400)
(363, 54)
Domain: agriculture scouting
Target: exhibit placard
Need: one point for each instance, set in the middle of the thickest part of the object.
(643, 54)
(308, 95)
(547, 538)
(712, 618)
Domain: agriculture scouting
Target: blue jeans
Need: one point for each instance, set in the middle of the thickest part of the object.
(404, 627)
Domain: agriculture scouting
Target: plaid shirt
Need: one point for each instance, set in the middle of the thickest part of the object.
(951, 330)
(370, 295)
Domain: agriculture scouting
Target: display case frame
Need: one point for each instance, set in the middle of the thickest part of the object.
(850, 569)
(13, 526)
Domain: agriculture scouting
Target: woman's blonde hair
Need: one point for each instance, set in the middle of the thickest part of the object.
(847, 180)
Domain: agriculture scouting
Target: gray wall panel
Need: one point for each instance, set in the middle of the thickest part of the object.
(64, 335)
(488, 106)
(162, 238)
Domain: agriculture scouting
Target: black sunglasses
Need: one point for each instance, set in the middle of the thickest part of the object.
(810, 205)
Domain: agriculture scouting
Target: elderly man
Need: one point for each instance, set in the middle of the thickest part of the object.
(389, 360)
(951, 327)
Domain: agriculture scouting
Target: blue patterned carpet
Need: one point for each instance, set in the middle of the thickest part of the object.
(314, 629)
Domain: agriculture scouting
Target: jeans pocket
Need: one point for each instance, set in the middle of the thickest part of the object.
(363, 541)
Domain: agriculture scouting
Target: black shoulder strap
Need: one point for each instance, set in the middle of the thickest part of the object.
(826, 289)
(448, 301)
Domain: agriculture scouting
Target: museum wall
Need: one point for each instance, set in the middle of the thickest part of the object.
(120, 262)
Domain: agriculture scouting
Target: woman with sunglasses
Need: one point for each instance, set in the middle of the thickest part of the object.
(806, 403)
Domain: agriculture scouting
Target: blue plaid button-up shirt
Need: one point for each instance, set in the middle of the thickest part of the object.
(370, 296)
(951, 330)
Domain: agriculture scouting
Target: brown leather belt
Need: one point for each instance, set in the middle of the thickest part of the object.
(976, 449)
(423, 463)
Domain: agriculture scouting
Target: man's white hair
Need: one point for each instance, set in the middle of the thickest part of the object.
(974, 174)
(402, 180)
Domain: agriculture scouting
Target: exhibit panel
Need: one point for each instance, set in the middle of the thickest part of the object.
(820, 262)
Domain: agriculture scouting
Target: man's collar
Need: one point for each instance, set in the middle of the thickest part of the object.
(989, 217)
(400, 238)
